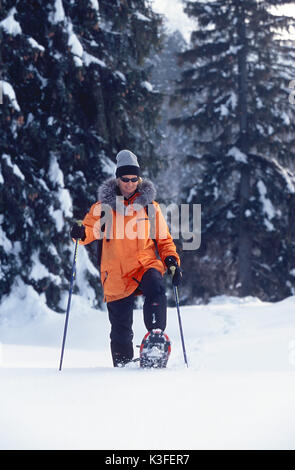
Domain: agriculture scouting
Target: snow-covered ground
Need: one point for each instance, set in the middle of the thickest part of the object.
(238, 392)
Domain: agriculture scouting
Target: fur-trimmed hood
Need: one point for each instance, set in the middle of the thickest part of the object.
(108, 192)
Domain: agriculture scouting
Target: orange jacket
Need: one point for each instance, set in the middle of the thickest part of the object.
(128, 250)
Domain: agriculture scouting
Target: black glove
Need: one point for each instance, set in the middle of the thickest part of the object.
(78, 232)
(175, 272)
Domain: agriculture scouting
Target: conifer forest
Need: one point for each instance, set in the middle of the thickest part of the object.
(212, 121)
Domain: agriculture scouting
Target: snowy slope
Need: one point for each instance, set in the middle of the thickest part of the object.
(238, 392)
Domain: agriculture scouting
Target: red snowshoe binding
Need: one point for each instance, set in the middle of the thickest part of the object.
(155, 349)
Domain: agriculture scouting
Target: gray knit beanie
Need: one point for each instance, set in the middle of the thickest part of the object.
(127, 164)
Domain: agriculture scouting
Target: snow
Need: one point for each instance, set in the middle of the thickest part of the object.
(5, 243)
(141, 17)
(237, 393)
(268, 208)
(285, 118)
(38, 270)
(10, 25)
(192, 194)
(75, 45)
(287, 175)
(120, 75)
(55, 174)
(83, 267)
(232, 100)
(237, 155)
(147, 85)
(91, 59)
(35, 44)
(80, 56)
(58, 16)
(14, 167)
(66, 202)
(230, 215)
(108, 166)
(8, 90)
(56, 177)
(94, 5)
(224, 110)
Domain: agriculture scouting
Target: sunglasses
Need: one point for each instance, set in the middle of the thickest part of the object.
(126, 180)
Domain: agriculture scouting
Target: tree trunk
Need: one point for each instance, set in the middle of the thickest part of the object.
(244, 274)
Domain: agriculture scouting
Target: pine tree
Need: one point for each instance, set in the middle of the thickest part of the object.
(75, 92)
(234, 89)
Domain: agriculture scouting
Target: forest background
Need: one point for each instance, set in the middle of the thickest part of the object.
(209, 111)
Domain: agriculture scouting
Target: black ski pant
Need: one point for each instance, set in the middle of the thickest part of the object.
(121, 315)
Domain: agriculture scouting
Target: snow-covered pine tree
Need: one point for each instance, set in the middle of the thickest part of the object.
(75, 91)
(234, 89)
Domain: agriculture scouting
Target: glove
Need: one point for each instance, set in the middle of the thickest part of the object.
(174, 270)
(78, 232)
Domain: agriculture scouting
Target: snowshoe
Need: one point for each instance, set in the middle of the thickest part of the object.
(155, 349)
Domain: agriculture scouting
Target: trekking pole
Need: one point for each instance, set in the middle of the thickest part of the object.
(179, 321)
(69, 301)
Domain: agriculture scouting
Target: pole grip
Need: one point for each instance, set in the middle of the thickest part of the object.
(172, 270)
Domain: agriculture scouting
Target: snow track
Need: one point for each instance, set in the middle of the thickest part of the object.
(238, 392)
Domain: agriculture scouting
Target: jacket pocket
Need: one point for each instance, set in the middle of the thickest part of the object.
(103, 277)
(112, 283)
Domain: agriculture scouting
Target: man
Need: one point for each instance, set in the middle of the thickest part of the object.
(136, 250)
